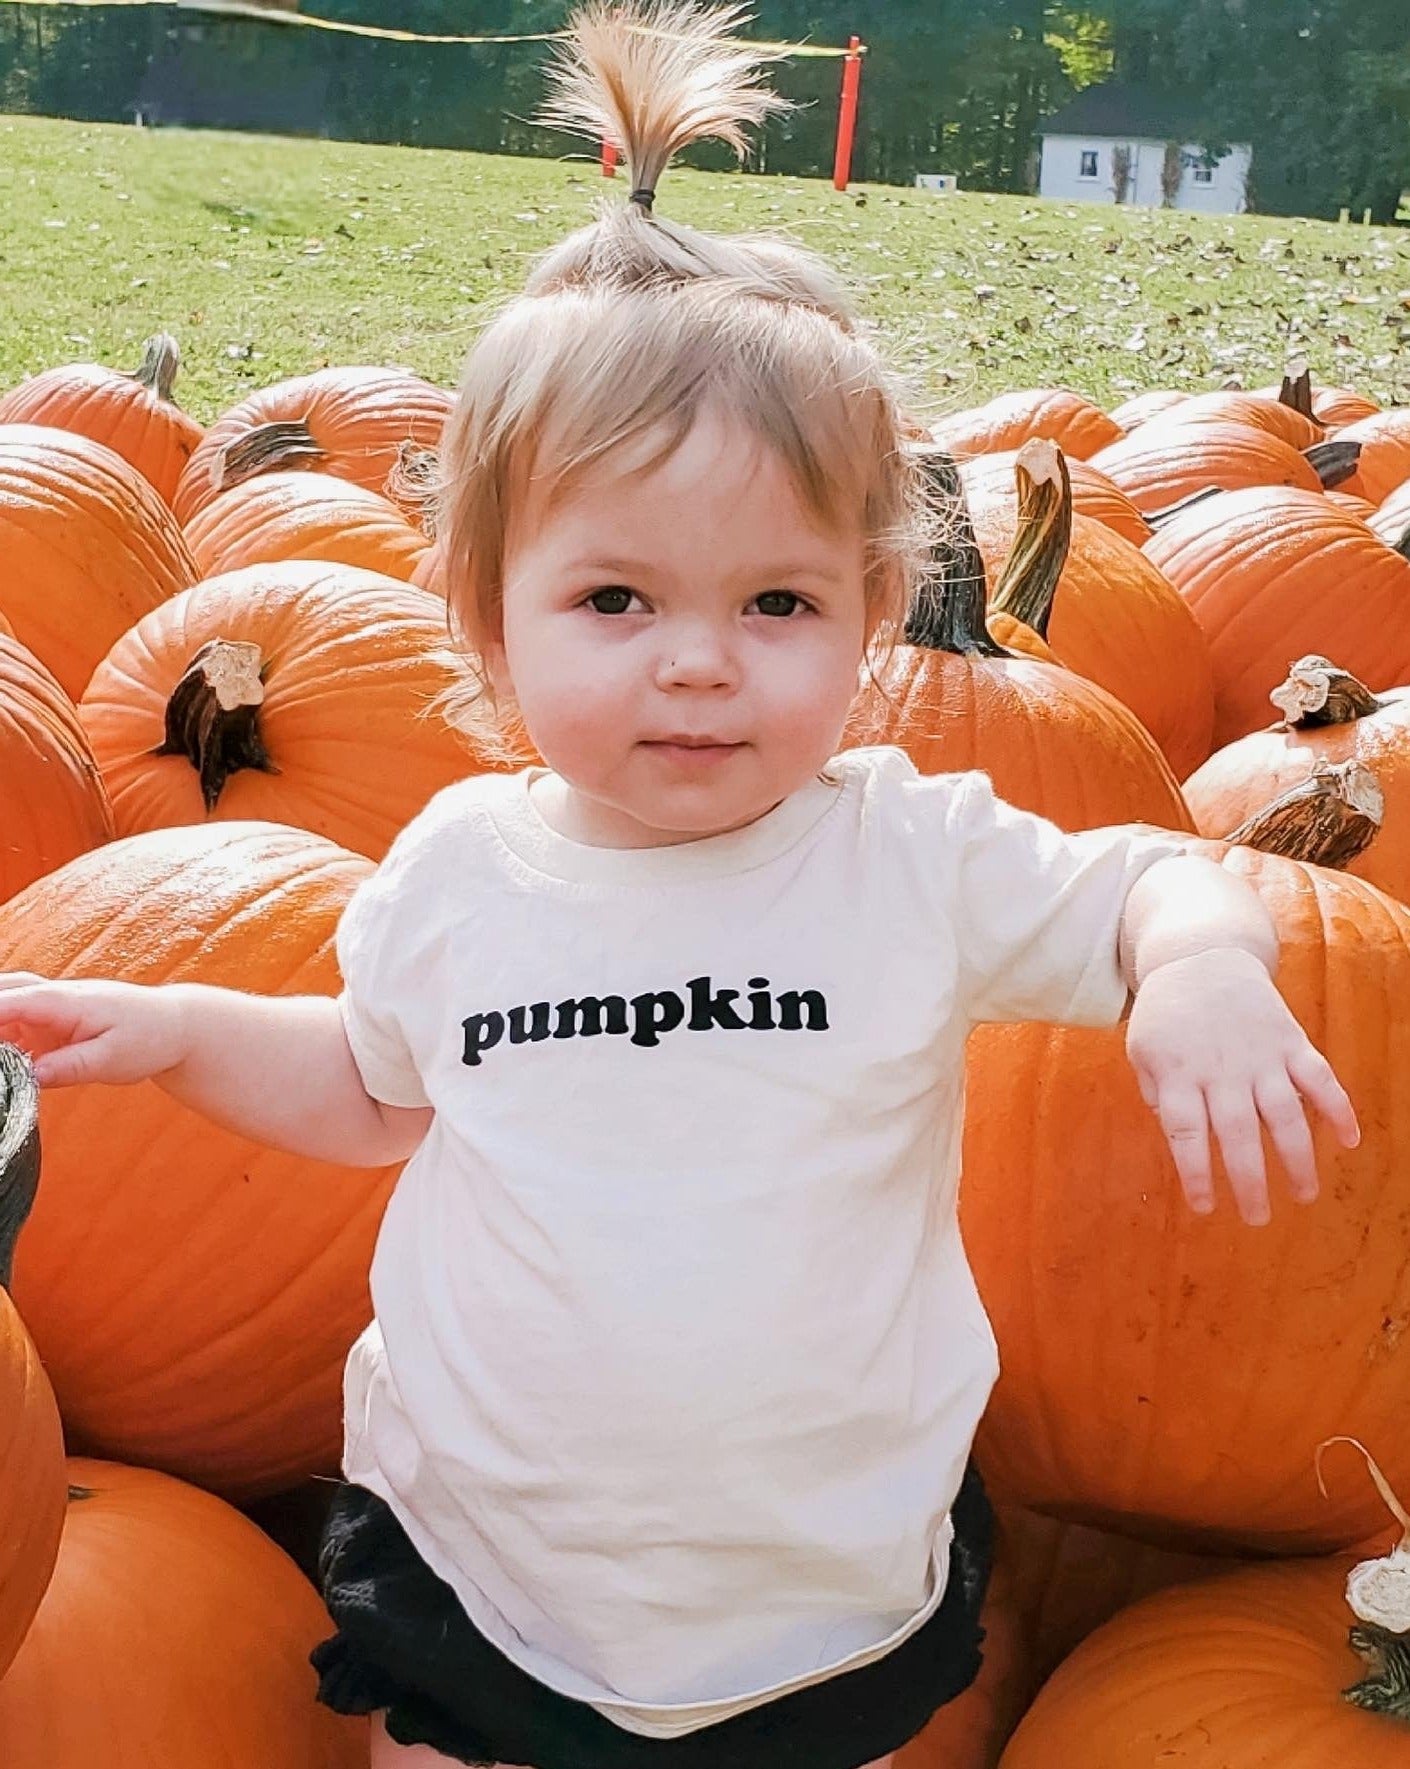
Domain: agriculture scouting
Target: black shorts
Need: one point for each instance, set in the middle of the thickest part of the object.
(405, 1644)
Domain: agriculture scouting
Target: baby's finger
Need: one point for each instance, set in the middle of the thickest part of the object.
(19, 979)
(74, 1063)
(1316, 1080)
(1181, 1111)
(39, 1009)
(1234, 1117)
(1281, 1109)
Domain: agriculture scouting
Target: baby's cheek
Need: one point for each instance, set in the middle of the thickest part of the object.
(806, 704)
(580, 726)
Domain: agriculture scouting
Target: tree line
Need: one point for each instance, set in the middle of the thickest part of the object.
(1321, 88)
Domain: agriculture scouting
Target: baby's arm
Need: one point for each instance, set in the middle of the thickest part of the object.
(1213, 1043)
(274, 1068)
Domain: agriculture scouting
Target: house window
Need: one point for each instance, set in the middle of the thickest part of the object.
(1204, 175)
(1089, 163)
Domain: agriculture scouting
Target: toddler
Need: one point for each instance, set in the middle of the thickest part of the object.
(657, 1448)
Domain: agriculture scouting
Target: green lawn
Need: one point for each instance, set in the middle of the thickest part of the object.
(270, 257)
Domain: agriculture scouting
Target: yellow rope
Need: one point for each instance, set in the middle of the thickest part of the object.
(268, 15)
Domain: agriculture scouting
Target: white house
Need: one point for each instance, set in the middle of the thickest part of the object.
(1123, 144)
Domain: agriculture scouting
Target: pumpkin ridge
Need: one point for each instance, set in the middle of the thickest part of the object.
(60, 494)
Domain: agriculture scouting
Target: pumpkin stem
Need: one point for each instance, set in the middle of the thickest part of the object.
(414, 484)
(19, 1150)
(1034, 568)
(161, 358)
(1296, 389)
(1333, 461)
(948, 609)
(261, 450)
(1318, 693)
(1378, 1591)
(1386, 1690)
(212, 717)
(1157, 517)
(1327, 820)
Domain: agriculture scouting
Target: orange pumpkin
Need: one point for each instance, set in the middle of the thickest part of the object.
(193, 1293)
(1273, 416)
(31, 1439)
(1075, 424)
(1169, 1375)
(1167, 461)
(1328, 717)
(1336, 407)
(953, 698)
(1385, 453)
(1355, 506)
(1052, 1584)
(1117, 621)
(1391, 521)
(351, 422)
(427, 575)
(52, 801)
(88, 548)
(135, 415)
(989, 480)
(1142, 407)
(174, 1635)
(1272, 574)
(1244, 1671)
(282, 516)
(288, 692)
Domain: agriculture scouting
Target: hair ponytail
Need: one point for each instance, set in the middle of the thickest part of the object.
(652, 77)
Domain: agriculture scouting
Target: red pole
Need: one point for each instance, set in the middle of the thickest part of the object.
(847, 114)
(609, 160)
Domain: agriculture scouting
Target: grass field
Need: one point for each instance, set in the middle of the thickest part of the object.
(269, 257)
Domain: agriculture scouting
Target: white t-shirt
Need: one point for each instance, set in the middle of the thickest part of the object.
(677, 1358)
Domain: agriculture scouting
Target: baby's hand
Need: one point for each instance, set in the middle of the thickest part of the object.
(1214, 1043)
(88, 1030)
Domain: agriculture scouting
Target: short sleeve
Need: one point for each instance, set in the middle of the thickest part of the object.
(367, 958)
(1037, 916)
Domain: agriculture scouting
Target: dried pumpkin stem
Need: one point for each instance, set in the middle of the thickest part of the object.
(212, 717)
(1317, 693)
(1296, 390)
(19, 1151)
(414, 484)
(1386, 1690)
(947, 611)
(261, 450)
(1327, 820)
(1032, 571)
(1157, 518)
(161, 358)
(1333, 461)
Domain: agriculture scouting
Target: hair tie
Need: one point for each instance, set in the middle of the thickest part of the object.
(644, 198)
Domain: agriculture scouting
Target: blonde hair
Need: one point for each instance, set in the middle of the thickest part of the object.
(633, 326)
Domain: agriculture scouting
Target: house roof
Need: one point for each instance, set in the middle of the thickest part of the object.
(1143, 112)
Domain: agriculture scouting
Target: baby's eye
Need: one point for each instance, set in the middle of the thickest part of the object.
(769, 602)
(614, 599)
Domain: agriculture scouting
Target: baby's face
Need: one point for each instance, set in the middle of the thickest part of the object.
(700, 600)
